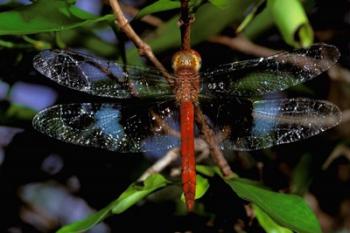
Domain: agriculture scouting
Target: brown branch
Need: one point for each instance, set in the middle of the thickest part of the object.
(149, 19)
(210, 138)
(340, 150)
(185, 25)
(144, 48)
(171, 156)
(203, 149)
(162, 163)
(166, 129)
(242, 44)
(339, 73)
(345, 116)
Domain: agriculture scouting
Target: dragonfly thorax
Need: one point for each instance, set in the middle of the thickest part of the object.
(186, 64)
(186, 59)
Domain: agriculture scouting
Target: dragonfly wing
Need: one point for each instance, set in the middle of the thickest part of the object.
(114, 127)
(257, 77)
(275, 122)
(84, 72)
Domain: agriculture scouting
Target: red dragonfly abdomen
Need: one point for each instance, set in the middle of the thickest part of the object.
(187, 152)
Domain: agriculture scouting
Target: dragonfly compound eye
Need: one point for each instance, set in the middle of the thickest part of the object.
(188, 59)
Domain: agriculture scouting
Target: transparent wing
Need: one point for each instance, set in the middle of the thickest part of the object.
(114, 127)
(257, 77)
(84, 72)
(266, 123)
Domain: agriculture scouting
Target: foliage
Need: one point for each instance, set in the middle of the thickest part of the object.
(292, 23)
(15, 113)
(43, 17)
(134, 193)
(287, 210)
(267, 223)
(158, 6)
(273, 209)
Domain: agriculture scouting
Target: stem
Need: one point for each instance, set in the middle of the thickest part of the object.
(210, 138)
(171, 156)
(242, 44)
(185, 25)
(144, 48)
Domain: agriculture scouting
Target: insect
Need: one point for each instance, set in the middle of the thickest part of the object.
(233, 97)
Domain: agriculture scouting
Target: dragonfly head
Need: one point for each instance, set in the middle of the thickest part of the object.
(189, 59)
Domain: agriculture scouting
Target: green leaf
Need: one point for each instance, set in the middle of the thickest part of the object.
(46, 16)
(250, 16)
(7, 44)
(302, 175)
(221, 3)
(158, 6)
(202, 185)
(136, 193)
(129, 197)
(38, 44)
(267, 223)
(206, 170)
(287, 210)
(292, 23)
(168, 36)
(16, 115)
(20, 112)
(258, 25)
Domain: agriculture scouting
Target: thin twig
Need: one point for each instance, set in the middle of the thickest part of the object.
(144, 48)
(210, 138)
(166, 129)
(171, 156)
(339, 73)
(340, 150)
(345, 116)
(149, 19)
(162, 163)
(202, 148)
(242, 44)
(185, 25)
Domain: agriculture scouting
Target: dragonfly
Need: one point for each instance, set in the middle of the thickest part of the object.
(236, 99)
